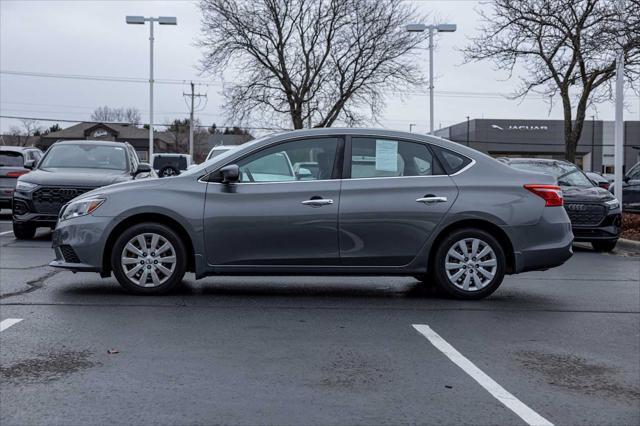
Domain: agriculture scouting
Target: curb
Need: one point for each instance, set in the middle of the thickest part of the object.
(628, 245)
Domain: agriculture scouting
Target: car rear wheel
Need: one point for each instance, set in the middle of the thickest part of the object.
(604, 246)
(149, 258)
(24, 231)
(469, 264)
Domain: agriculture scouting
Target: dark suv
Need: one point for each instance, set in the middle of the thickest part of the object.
(68, 169)
(594, 212)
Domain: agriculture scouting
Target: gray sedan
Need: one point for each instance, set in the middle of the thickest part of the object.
(368, 202)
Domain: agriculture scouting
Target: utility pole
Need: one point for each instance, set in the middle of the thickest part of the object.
(618, 151)
(191, 96)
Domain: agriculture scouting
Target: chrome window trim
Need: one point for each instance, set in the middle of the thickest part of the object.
(344, 135)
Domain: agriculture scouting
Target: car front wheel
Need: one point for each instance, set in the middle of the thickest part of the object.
(149, 258)
(604, 246)
(24, 231)
(469, 264)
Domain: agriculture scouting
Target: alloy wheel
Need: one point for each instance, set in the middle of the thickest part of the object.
(148, 260)
(471, 264)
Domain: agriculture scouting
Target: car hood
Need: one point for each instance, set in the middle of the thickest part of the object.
(577, 194)
(75, 177)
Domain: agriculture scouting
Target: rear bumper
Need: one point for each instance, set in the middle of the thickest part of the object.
(544, 245)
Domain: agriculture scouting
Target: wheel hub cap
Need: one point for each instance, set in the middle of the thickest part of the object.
(148, 260)
(471, 264)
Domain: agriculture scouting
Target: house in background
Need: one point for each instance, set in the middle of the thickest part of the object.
(138, 137)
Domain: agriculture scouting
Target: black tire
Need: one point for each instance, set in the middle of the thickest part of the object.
(440, 258)
(167, 233)
(604, 245)
(168, 171)
(24, 231)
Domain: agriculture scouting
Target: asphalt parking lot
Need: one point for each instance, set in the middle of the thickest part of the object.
(561, 347)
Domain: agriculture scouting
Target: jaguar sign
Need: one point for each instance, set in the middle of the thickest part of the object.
(521, 127)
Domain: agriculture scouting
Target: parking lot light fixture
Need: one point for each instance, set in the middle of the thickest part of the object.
(441, 28)
(140, 20)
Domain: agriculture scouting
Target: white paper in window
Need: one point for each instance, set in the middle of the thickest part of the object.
(386, 155)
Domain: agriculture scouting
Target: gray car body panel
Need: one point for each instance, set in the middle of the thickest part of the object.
(261, 228)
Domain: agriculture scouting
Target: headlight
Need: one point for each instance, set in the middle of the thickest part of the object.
(613, 204)
(25, 186)
(80, 208)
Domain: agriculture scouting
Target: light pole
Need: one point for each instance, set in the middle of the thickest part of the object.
(441, 28)
(140, 20)
(411, 128)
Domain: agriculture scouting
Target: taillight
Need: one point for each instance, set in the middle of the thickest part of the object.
(18, 173)
(552, 194)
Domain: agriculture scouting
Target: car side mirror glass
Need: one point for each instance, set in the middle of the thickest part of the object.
(626, 179)
(230, 173)
(30, 164)
(143, 168)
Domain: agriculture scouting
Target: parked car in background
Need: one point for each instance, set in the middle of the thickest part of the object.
(15, 161)
(167, 164)
(598, 180)
(630, 190)
(382, 203)
(594, 212)
(220, 149)
(67, 170)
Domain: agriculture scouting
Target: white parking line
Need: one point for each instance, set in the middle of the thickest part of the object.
(4, 324)
(498, 392)
(6, 233)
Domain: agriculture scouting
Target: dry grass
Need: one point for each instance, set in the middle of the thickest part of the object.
(631, 226)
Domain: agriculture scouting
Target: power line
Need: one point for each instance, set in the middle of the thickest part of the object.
(66, 120)
(124, 79)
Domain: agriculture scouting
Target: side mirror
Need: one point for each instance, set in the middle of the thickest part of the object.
(230, 173)
(143, 168)
(29, 164)
(625, 179)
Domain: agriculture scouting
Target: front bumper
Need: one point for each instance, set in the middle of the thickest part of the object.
(608, 229)
(42, 211)
(79, 243)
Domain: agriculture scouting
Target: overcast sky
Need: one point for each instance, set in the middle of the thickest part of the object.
(90, 38)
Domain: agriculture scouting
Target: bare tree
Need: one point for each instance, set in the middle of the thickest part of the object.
(25, 133)
(116, 115)
(309, 62)
(566, 47)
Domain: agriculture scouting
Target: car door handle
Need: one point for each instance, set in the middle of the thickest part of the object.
(317, 202)
(431, 200)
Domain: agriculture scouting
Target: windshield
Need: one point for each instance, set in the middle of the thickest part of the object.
(85, 156)
(567, 174)
(220, 157)
(217, 151)
(11, 159)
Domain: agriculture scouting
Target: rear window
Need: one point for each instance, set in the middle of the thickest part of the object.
(11, 159)
(178, 162)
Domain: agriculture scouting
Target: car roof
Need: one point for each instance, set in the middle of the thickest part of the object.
(90, 142)
(510, 160)
(17, 148)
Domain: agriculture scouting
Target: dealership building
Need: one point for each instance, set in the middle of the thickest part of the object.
(545, 139)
